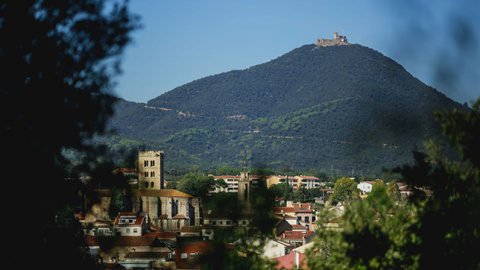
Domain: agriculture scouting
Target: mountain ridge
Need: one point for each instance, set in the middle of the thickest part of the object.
(312, 95)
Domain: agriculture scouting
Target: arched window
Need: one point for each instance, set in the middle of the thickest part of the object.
(152, 184)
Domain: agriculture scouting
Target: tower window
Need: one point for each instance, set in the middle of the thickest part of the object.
(152, 163)
(152, 174)
(145, 163)
(152, 184)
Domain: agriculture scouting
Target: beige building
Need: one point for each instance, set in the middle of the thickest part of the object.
(233, 180)
(168, 209)
(294, 181)
(151, 170)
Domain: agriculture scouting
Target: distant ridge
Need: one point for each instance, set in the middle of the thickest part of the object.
(343, 107)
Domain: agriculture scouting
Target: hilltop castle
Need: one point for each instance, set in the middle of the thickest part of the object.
(337, 40)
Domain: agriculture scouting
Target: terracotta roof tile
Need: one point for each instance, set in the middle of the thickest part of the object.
(288, 261)
(278, 210)
(138, 218)
(302, 208)
(160, 193)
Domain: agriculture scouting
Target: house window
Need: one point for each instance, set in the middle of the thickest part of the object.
(183, 255)
(152, 163)
(146, 184)
(128, 230)
(299, 218)
(307, 219)
(192, 255)
(135, 230)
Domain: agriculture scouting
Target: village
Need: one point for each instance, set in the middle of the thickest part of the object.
(169, 229)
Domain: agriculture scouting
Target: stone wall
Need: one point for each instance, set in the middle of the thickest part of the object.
(151, 170)
(337, 40)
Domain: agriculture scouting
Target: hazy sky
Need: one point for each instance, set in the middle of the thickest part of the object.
(181, 41)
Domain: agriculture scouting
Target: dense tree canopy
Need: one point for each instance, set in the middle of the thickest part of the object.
(57, 60)
(338, 107)
(196, 185)
(435, 230)
(345, 189)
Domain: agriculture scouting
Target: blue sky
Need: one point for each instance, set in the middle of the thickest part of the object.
(182, 41)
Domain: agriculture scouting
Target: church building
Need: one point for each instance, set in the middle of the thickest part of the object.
(168, 209)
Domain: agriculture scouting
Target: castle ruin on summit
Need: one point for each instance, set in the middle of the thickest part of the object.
(337, 40)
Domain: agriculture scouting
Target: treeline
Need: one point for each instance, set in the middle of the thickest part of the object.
(344, 106)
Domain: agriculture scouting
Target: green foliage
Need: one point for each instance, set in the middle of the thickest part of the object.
(448, 221)
(245, 242)
(436, 231)
(227, 171)
(58, 61)
(282, 190)
(375, 235)
(345, 190)
(221, 183)
(344, 106)
(196, 185)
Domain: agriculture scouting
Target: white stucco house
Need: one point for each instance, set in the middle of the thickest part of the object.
(366, 186)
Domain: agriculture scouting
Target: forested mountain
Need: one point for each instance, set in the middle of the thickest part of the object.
(340, 107)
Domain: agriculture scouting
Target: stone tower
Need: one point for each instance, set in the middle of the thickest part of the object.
(151, 170)
(244, 189)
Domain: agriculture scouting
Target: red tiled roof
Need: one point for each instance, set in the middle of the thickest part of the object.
(307, 177)
(296, 226)
(139, 218)
(145, 192)
(226, 177)
(159, 193)
(288, 261)
(295, 235)
(302, 208)
(278, 210)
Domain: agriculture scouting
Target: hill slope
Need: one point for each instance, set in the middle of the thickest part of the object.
(341, 106)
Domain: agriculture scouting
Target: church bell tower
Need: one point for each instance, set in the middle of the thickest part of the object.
(244, 188)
